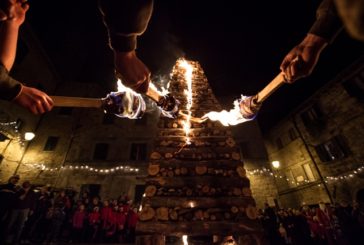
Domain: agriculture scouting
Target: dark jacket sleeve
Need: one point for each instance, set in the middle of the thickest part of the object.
(9, 87)
(328, 24)
(125, 20)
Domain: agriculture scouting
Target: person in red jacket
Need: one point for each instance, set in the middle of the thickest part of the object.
(324, 216)
(120, 225)
(78, 222)
(106, 216)
(93, 224)
(132, 220)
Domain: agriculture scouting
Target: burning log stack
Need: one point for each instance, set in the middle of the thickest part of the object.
(196, 183)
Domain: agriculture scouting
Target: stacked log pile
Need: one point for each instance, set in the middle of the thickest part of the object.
(199, 189)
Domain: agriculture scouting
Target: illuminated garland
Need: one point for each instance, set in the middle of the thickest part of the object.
(268, 172)
(11, 128)
(352, 174)
(125, 169)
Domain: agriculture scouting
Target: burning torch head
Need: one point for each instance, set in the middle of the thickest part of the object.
(126, 104)
(249, 107)
(169, 106)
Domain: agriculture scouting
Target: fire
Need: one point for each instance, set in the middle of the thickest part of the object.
(228, 118)
(184, 239)
(132, 103)
(188, 92)
(161, 93)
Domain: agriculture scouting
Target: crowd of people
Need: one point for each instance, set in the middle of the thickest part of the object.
(45, 215)
(322, 224)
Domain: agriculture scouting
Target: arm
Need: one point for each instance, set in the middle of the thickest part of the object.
(9, 30)
(302, 59)
(32, 99)
(126, 20)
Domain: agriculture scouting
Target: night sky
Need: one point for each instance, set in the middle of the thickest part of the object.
(240, 48)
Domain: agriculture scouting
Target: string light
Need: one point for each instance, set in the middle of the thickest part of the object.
(12, 129)
(342, 177)
(87, 168)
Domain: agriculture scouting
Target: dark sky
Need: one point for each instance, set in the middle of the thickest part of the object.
(240, 45)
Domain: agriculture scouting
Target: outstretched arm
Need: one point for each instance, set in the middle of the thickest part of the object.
(12, 16)
(126, 20)
(302, 59)
(15, 16)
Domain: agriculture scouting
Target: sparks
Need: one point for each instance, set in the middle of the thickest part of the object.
(188, 92)
(228, 118)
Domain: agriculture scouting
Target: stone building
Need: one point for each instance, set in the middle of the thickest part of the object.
(255, 157)
(319, 145)
(32, 67)
(71, 142)
(66, 137)
(85, 149)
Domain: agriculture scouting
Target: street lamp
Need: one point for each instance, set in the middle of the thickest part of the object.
(276, 164)
(28, 136)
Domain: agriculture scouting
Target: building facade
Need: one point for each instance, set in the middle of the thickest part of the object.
(84, 149)
(255, 158)
(319, 145)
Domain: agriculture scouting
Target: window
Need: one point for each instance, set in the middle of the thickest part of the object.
(138, 152)
(101, 150)
(108, 118)
(332, 150)
(51, 143)
(355, 87)
(65, 111)
(290, 179)
(279, 143)
(292, 134)
(313, 119)
(308, 172)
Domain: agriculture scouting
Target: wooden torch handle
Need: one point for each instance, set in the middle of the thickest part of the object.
(278, 81)
(65, 101)
(153, 93)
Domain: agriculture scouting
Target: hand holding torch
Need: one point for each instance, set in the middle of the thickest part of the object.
(250, 105)
(125, 104)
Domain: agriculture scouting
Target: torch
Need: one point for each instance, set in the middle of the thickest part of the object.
(250, 105)
(125, 103)
(246, 108)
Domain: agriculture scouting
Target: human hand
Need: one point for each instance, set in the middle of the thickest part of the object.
(302, 59)
(132, 71)
(14, 11)
(34, 100)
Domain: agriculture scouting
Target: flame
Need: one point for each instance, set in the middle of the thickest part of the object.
(188, 92)
(161, 93)
(128, 102)
(184, 239)
(228, 118)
